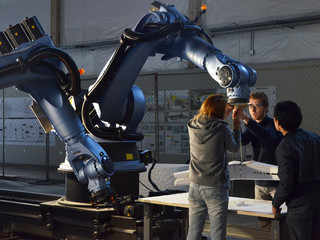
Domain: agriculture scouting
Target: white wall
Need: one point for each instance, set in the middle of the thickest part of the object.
(14, 11)
(87, 21)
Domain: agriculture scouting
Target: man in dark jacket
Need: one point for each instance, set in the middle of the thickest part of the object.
(298, 158)
(264, 139)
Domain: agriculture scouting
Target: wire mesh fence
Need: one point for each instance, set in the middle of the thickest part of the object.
(24, 146)
(171, 100)
(179, 96)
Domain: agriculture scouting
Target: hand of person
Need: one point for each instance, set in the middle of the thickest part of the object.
(229, 109)
(276, 210)
(236, 114)
(236, 119)
(227, 112)
(242, 115)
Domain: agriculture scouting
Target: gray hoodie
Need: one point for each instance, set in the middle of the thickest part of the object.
(210, 138)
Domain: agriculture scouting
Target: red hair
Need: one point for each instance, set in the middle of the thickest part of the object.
(214, 105)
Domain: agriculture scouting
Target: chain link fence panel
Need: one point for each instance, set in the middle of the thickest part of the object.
(179, 96)
(171, 100)
(24, 146)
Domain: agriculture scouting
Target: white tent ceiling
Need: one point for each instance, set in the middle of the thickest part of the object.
(96, 21)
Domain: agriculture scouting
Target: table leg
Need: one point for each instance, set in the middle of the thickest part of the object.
(275, 229)
(147, 221)
(185, 223)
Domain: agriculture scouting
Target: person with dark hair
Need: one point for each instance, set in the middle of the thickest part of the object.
(298, 158)
(264, 139)
(210, 137)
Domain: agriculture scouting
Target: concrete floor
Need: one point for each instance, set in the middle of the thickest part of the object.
(34, 186)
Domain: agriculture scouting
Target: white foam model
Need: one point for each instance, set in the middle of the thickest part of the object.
(248, 170)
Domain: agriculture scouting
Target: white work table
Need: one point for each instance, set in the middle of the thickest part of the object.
(237, 206)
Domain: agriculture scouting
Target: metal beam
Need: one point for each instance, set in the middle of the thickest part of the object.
(194, 9)
(55, 26)
(283, 23)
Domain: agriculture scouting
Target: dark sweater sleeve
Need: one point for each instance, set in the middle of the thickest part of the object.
(246, 137)
(266, 133)
(231, 140)
(286, 171)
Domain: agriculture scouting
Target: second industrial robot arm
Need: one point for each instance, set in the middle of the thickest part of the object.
(117, 102)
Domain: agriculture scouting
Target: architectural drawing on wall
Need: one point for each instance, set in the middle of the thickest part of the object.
(149, 139)
(150, 117)
(16, 108)
(150, 101)
(176, 139)
(24, 132)
(177, 100)
(20, 124)
(177, 117)
(197, 96)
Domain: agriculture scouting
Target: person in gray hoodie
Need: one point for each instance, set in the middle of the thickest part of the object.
(210, 137)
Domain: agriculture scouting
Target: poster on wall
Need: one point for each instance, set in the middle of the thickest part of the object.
(150, 117)
(149, 140)
(198, 96)
(20, 124)
(176, 139)
(171, 116)
(177, 100)
(16, 108)
(24, 132)
(150, 101)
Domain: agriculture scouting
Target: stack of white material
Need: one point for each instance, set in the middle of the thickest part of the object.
(163, 176)
(252, 170)
(248, 170)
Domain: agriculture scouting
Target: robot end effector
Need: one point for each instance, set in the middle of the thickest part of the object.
(229, 73)
(232, 75)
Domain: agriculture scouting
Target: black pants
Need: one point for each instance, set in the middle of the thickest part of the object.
(304, 225)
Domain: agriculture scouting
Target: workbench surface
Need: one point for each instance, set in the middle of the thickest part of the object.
(243, 206)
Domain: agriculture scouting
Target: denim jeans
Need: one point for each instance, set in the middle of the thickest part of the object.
(204, 201)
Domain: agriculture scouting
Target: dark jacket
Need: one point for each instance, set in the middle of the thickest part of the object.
(298, 157)
(209, 140)
(264, 139)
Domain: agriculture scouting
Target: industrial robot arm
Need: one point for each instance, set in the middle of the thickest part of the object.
(117, 102)
(30, 63)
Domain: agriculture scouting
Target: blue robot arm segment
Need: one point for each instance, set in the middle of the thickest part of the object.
(163, 31)
(33, 67)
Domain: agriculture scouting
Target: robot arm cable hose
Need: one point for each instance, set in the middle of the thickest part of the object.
(108, 74)
(63, 57)
(36, 59)
(136, 37)
(153, 36)
(196, 30)
(64, 81)
(10, 69)
(85, 115)
(149, 175)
